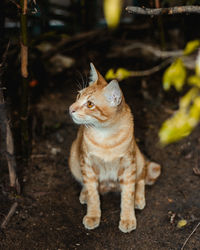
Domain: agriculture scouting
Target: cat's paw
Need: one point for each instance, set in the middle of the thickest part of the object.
(126, 226)
(91, 222)
(140, 203)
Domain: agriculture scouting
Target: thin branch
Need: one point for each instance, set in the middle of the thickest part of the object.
(153, 50)
(128, 51)
(190, 236)
(164, 11)
(15, 3)
(9, 215)
(24, 86)
(152, 70)
(83, 37)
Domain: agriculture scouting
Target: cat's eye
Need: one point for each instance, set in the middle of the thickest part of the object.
(90, 104)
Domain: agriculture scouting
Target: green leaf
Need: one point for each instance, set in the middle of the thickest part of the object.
(195, 112)
(174, 75)
(181, 223)
(184, 120)
(194, 80)
(175, 128)
(110, 74)
(197, 68)
(120, 74)
(112, 12)
(191, 46)
(186, 100)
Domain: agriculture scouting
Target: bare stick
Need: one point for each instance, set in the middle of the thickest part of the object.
(152, 70)
(24, 86)
(16, 4)
(190, 236)
(151, 49)
(128, 50)
(11, 159)
(164, 11)
(9, 215)
(6, 134)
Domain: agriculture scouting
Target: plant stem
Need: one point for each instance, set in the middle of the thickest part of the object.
(24, 86)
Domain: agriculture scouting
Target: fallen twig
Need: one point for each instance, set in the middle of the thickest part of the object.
(9, 215)
(190, 236)
(196, 170)
(38, 156)
(164, 11)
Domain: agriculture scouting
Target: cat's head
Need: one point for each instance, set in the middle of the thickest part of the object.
(98, 103)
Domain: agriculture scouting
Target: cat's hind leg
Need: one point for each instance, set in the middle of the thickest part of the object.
(140, 195)
(140, 183)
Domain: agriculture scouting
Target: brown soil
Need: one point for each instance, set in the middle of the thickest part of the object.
(49, 215)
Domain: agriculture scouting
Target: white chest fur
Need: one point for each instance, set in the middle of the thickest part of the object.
(108, 170)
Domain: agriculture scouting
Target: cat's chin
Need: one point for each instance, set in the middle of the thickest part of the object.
(75, 120)
(79, 122)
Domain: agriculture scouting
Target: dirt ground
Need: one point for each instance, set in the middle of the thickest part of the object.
(49, 215)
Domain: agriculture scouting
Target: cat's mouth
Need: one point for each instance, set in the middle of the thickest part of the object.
(76, 120)
(80, 121)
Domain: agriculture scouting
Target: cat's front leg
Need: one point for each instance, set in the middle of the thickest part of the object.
(92, 219)
(83, 196)
(127, 183)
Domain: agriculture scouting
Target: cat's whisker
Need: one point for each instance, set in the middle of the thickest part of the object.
(82, 80)
(78, 85)
(84, 83)
(86, 80)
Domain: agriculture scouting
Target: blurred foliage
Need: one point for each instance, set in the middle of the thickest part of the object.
(187, 117)
(120, 74)
(175, 75)
(191, 46)
(112, 12)
(182, 223)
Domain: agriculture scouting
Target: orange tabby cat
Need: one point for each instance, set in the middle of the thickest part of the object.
(105, 155)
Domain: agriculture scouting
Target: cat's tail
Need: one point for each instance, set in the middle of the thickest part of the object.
(153, 171)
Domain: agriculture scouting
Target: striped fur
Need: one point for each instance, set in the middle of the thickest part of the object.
(105, 155)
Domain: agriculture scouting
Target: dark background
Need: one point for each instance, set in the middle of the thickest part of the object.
(49, 215)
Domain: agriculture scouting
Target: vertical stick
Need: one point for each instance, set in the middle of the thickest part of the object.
(11, 159)
(24, 87)
(160, 26)
(6, 134)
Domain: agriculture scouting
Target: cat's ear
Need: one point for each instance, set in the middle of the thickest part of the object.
(113, 93)
(93, 77)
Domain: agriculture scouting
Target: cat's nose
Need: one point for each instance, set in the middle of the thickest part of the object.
(72, 109)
